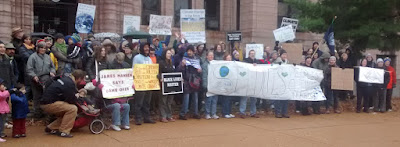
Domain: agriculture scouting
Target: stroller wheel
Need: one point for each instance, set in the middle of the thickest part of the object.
(96, 126)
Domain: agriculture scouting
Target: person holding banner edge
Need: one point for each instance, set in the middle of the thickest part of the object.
(211, 101)
(166, 66)
(243, 101)
(364, 91)
(380, 100)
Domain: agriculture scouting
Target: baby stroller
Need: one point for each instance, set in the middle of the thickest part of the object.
(96, 125)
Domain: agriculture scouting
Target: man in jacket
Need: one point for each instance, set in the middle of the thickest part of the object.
(6, 70)
(253, 101)
(59, 99)
(322, 64)
(10, 51)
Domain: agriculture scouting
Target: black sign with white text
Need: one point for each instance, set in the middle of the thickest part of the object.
(172, 83)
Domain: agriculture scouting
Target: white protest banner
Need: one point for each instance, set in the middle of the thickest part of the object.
(371, 75)
(284, 34)
(117, 83)
(258, 48)
(290, 21)
(131, 23)
(276, 82)
(160, 25)
(84, 18)
(193, 25)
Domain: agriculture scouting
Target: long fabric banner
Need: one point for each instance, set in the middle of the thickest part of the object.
(193, 25)
(146, 77)
(276, 82)
(117, 83)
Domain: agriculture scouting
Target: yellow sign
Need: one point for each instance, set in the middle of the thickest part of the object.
(145, 77)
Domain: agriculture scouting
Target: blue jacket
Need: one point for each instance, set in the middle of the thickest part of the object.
(159, 48)
(19, 105)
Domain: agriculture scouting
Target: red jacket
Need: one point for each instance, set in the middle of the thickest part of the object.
(392, 80)
(262, 61)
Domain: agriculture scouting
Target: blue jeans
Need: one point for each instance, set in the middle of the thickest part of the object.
(281, 107)
(116, 113)
(211, 103)
(68, 68)
(185, 103)
(243, 104)
(226, 105)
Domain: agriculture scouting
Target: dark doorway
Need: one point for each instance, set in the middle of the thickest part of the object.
(54, 17)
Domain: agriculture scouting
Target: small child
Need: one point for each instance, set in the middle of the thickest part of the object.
(86, 103)
(73, 52)
(4, 108)
(19, 111)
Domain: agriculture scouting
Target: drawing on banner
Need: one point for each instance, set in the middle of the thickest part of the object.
(117, 83)
(193, 25)
(258, 48)
(294, 51)
(146, 77)
(131, 24)
(283, 82)
(172, 83)
(342, 79)
(371, 75)
(160, 25)
(290, 21)
(284, 34)
(84, 18)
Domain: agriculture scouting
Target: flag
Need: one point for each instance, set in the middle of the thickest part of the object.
(330, 39)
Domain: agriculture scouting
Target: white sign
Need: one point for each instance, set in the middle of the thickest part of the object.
(193, 25)
(117, 83)
(284, 34)
(371, 75)
(258, 48)
(276, 82)
(84, 18)
(131, 23)
(160, 25)
(290, 21)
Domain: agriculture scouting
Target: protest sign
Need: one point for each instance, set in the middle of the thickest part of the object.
(284, 34)
(234, 36)
(192, 62)
(117, 83)
(371, 75)
(276, 82)
(294, 51)
(84, 18)
(172, 83)
(193, 25)
(258, 48)
(160, 25)
(146, 77)
(290, 21)
(342, 79)
(131, 23)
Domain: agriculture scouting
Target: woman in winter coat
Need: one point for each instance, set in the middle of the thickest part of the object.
(364, 90)
(164, 104)
(219, 52)
(391, 84)
(60, 52)
(97, 63)
(26, 50)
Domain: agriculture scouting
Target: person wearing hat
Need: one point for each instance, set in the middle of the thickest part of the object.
(370, 61)
(380, 99)
(39, 70)
(16, 35)
(331, 99)
(321, 63)
(60, 52)
(391, 84)
(10, 51)
(6, 69)
(157, 45)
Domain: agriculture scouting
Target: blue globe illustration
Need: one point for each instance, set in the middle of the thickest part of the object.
(84, 23)
(224, 71)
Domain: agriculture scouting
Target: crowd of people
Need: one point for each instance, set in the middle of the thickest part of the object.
(57, 73)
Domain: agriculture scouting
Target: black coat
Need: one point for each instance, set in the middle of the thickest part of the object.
(356, 76)
(7, 72)
(62, 89)
(385, 80)
(249, 60)
(91, 67)
(345, 64)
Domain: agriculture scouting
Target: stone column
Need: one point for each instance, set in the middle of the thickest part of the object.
(15, 13)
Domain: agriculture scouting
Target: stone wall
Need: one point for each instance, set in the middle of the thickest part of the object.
(15, 13)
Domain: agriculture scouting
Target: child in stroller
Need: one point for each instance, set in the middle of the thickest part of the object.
(85, 103)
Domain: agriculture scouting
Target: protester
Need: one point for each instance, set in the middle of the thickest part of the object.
(253, 101)
(4, 108)
(157, 45)
(6, 69)
(97, 63)
(274, 56)
(17, 37)
(128, 48)
(165, 102)
(380, 100)
(309, 52)
(59, 99)
(331, 99)
(26, 50)
(391, 84)
(322, 63)
(364, 91)
(152, 55)
(304, 104)
(191, 70)
(111, 50)
(239, 51)
(227, 103)
(370, 61)
(119, 62)
(39, 69)
(219, 52)
(281, 106)
(201, 52)
(143, 98)
(10, 51)
(60, 52)
(20, 110)
(211, 101)
(316, 49)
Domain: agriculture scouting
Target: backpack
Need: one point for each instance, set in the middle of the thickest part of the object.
(194, 82)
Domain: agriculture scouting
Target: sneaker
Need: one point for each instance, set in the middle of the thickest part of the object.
(227, 116)
(8, 126)
(149, 121)
(242, 116)
(138, 122)
(278, 116)
(182, 117)
(16, 136)
(126, 127)
(215, 117)
(3, 135)
(164, 120)
(285, 116)
(232, 116)
(62, 134)
(337, 111)
(23, 135)
(115, 128)
(389, 110)
(297, 111)
(171, 119)
(2, 140)
(196, 117)
(327, 112)
(50, 131)
(255, 116)
(208, 117)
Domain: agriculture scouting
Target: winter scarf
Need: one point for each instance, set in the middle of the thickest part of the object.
(62, 47)
(29, 47)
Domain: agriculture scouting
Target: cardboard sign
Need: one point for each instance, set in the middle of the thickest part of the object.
(290, 21)
(284, 34)
(117, 83)
(160, 25)
(234, 36)
(146, 77)
(131, 23)
(193, 25)
(342, 79)
(172, 83)
(294, 51)
(84, 18)
(258, 48)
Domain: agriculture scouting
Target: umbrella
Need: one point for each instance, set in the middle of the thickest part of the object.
(40, 35)
(101, 36)
(136, 35)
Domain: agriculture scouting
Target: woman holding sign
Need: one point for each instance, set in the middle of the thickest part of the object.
(165, 66)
